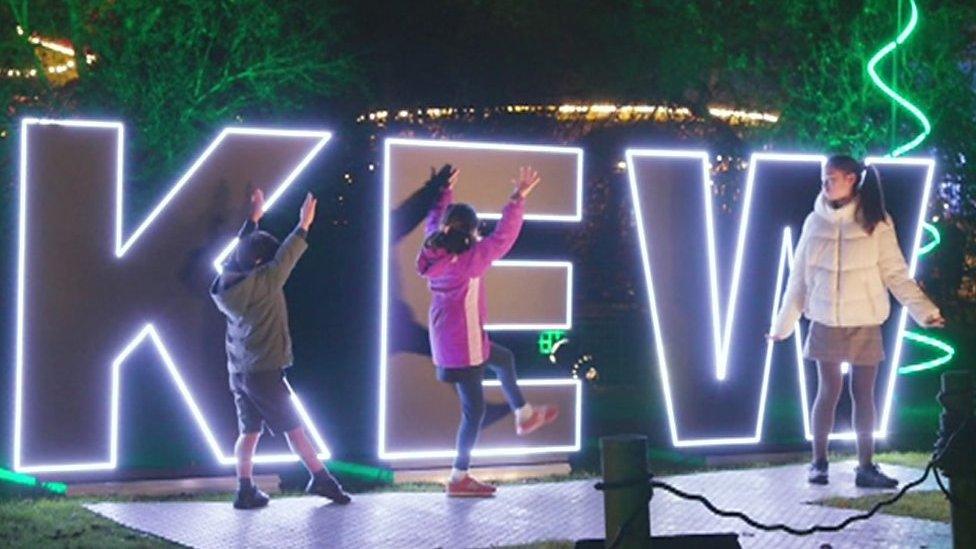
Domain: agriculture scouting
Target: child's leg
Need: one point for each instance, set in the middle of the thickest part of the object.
(301, 446)
(829, 385)
(472, 399)
(862, 393)
(502, 362)
(244, 449)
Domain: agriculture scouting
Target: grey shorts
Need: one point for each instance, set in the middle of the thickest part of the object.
(263, 399)
(857, 345)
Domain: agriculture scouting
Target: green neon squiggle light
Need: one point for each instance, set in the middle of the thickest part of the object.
(948, 353)
(936, 238)
(907, 105)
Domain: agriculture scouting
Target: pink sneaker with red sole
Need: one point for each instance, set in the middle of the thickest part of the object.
(541, 416)
(469, 487)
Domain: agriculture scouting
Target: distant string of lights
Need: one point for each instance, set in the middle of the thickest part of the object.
(574, 112)
(934, 237)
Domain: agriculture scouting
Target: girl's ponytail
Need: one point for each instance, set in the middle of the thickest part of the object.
(871, 206)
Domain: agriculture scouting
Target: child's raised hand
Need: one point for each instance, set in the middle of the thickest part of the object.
(527, 180)
(257, 205)
(307, 213)
(453, 178)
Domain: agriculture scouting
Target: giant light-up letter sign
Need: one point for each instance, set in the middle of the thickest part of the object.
(90, 293)
(418, 414)
(714, 283)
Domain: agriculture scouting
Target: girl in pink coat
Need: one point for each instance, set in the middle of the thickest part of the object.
(454, 259)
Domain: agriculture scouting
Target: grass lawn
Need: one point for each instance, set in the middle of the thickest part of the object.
(924, 505)
(931, 505)
(63, 522)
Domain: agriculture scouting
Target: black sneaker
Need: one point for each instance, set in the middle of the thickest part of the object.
(872, 477)
(817, 473)
(250, 498)
(327, 486)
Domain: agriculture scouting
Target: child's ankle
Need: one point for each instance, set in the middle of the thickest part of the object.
(523, 413)
(244, 484)
(458, 474)
(321, 474)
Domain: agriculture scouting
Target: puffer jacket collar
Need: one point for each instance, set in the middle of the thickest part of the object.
(836, 216)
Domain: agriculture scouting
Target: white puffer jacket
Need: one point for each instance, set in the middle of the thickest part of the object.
(840, 272)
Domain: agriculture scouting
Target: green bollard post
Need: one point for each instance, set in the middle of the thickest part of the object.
(957, 399)
(624, 460)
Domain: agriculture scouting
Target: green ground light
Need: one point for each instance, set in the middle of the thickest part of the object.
(28, 481)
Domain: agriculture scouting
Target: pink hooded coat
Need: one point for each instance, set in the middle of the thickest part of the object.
(457, 310)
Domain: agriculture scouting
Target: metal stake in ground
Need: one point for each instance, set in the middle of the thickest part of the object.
(957, 438)
(624, 460)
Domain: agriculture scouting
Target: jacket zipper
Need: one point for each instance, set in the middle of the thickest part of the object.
(837, 283)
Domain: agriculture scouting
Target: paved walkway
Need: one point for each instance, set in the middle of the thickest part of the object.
(529, 513)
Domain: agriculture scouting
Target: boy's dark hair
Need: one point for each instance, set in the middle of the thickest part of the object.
(871, 206)
(461, 221)
(255, 249)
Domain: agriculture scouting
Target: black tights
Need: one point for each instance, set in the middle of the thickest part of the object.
(830, 384)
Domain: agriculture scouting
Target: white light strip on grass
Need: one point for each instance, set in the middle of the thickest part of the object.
(148, 330)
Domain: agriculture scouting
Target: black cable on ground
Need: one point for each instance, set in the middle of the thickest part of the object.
(943, 449)
(784, 527)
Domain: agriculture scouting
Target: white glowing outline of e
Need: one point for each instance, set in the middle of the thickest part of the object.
(786, 257)
(385, 305)
(566, 324)
(492, 146)
(148, 330)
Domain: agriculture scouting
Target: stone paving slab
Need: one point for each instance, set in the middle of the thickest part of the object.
(524, 514)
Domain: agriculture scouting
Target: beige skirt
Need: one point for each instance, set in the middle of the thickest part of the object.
(857, 345)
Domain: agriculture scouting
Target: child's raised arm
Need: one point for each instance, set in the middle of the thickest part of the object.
(501, 240)
(257, 211)
(291, 250)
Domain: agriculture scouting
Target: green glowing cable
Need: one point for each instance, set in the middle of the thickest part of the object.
(888, 48)
(935, 238)
(947, 350)
(872, 71)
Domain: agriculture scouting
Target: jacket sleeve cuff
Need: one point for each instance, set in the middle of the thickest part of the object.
(783, 325)
(922, 311)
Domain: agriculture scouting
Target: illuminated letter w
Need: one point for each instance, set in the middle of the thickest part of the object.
(714, 281)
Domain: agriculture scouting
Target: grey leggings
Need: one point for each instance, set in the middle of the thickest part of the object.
(474, 414)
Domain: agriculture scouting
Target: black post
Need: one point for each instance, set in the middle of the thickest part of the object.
(957, 463)
(625, 509)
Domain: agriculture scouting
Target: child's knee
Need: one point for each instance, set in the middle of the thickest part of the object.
(504, 356)
(295, 433)
(473, 409)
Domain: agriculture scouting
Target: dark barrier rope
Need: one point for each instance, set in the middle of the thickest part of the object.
(937, 457)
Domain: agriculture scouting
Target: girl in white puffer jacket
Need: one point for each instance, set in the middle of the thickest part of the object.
(846, 261)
